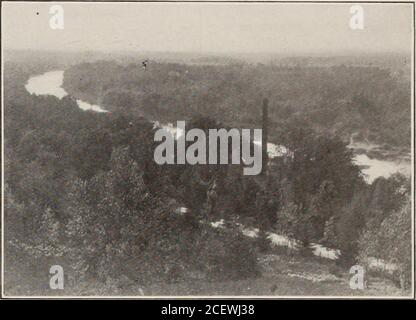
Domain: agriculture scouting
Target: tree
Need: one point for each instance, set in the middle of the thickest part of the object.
(390, 239)
(349, 225)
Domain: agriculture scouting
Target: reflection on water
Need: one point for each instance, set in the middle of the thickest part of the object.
(374, 168)
(86, 106)
(50, 83)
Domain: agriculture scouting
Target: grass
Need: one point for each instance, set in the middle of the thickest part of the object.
(283, 275)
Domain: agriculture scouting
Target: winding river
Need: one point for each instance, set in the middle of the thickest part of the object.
(50, 83)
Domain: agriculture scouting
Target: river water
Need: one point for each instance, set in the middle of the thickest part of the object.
(50, 83)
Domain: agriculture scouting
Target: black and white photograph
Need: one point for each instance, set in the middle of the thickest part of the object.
(207, 150)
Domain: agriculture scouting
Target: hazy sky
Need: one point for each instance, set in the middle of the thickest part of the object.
(209, 27)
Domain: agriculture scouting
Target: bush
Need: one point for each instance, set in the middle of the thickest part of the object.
(226, 254)
(263, 242)
(391, 241)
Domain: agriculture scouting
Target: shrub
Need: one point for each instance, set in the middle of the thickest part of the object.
(391, 241)
(226, 254)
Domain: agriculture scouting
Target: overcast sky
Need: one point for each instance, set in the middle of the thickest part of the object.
(209, 27)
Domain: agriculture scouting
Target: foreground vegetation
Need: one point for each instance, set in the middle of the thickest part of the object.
(82, 191)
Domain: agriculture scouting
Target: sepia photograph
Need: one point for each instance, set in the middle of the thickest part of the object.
(211, 149)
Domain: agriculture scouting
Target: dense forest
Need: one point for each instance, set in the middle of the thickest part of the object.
(82, 189)
(339, 100)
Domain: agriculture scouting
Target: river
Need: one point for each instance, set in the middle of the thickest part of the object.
(50, 83)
